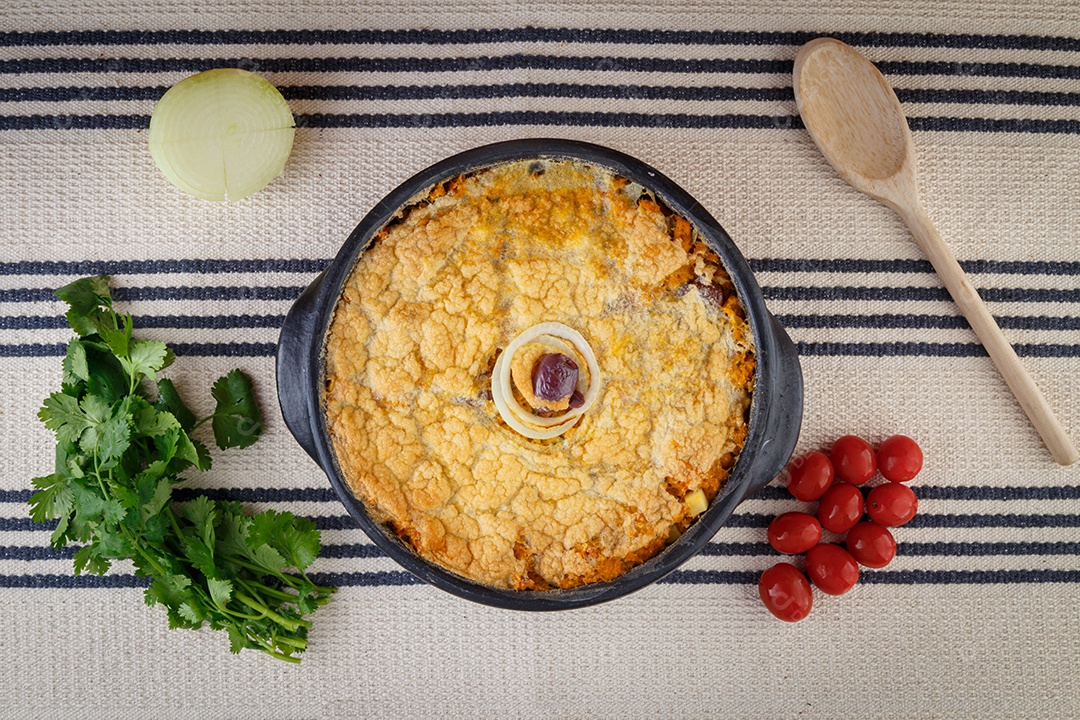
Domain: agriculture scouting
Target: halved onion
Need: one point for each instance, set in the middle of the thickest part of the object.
(529, 424)
(221, 134)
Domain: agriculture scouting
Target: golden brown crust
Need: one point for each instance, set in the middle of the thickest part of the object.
(429, 306)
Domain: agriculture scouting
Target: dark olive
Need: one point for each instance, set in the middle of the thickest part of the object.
(713, 294)
(554, 377)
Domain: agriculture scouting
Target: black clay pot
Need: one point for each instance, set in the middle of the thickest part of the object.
(776, 408)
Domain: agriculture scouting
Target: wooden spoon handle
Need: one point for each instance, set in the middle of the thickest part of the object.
(997, 346)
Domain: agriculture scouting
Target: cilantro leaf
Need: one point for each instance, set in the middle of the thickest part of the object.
(296, 539)
(238, 640)
(192, 613)
(269, 558)
(61, 413)
(118, 339)
(107, 378)
(76, 367)
(237, 420)
(169, 399)
(54, 498)
(220, 590)
(145, 357)
(89, 559)
(90, 305)
(114, 437)
(152, 423)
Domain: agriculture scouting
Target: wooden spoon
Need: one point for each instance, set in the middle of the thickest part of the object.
(856, 121)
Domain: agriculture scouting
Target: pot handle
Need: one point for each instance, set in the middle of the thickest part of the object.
(297, 352)
(783, 419)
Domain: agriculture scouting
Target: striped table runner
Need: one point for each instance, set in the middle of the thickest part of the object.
(978, 615)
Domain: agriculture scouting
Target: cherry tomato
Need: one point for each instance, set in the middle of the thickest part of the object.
(832, 568)
(794, 532)
(853, 459)
(871, 544)
(891, 504)
(840, 508)
(809, 476)
(786, 592)
(899, 458)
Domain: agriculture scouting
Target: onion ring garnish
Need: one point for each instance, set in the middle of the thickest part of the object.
(529, 424)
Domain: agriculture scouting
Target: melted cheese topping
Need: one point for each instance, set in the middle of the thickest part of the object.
(434, 300)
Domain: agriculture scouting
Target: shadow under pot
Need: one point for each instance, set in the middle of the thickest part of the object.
(539, 375)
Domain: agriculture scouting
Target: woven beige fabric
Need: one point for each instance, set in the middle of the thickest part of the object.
(981, 617)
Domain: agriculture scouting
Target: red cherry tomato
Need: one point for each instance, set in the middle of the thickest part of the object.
(809, 476)
(853, 459)
(832, 568)
(899, 458)
(794, 532)
(840, 508)
(891, 504)
(786, 592)
(871, 544)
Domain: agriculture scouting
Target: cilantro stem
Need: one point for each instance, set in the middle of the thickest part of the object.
(269, 650)
(279, 619)
(297, 643)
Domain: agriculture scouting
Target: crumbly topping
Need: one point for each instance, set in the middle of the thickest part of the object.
(438, 295)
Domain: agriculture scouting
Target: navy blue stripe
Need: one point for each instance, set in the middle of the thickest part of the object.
(526, 34)
(304, 265)
(161, 267)
(863, 266)
(355, 579)
(891, 577)
(679, 577)
(51, 580)
(949, 520)
(549, 118)
(222, 349)
(909, 294)
(928, 349)
(516, 61)
(546, 90)
(368, 551)
(19, 552)
(962, 492)
(186, 322)
(958, 549)
(197, 292)
(800, 293)
(74, 122)
(392, 578)
(925, 322)
(259, 495)
(885, 321)
(738, 520)
(832, 349)
(995, 125)
(770, 492)
(352, 550)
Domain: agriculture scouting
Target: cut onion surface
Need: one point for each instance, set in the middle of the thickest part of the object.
(529, 424)
(221, 134)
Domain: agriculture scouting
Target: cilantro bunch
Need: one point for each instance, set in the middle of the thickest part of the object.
(120, 450)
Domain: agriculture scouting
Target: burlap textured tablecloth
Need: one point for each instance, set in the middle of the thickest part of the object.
(979, 615)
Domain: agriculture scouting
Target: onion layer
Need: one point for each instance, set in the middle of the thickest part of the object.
(530, 424)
